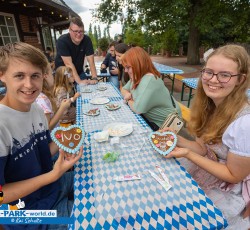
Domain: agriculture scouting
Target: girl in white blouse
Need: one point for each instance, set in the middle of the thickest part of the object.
(220, 120)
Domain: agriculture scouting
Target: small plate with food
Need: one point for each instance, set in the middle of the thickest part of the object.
(112, 106)
(92, 112)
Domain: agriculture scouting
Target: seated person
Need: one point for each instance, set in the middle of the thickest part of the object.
(111, 63)
(145, 92)
(120, 49)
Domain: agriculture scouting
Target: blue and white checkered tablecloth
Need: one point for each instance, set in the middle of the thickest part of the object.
(191, 82)
(164, 69)
(103, 203)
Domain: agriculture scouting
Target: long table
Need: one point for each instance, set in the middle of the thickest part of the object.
(103, 203)
(163, 69)
(169, 72)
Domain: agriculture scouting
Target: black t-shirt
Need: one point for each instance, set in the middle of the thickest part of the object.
(65, 47)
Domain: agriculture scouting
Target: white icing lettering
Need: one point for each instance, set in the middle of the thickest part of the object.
(75, 137)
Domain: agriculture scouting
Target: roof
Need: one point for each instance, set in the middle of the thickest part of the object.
(54, 12)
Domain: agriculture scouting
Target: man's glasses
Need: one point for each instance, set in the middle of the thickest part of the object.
(222, 77)
(77, 31)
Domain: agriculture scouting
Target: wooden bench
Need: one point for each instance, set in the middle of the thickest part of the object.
(185, 111)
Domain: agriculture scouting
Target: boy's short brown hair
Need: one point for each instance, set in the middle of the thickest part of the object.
(77, 21)
(22, 51)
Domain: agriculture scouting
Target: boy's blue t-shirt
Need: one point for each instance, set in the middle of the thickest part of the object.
(25, 153)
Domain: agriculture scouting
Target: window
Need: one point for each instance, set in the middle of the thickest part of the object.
(8, 30)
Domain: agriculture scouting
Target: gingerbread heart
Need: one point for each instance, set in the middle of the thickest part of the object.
(164, 142)
(69, 139)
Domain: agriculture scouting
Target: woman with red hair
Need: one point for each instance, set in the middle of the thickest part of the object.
(145, 92)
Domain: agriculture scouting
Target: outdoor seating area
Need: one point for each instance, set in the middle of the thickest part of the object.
(113, 121)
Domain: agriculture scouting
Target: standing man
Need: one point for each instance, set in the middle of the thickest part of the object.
(72, 49)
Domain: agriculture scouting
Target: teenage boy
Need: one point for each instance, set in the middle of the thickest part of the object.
(26, 170)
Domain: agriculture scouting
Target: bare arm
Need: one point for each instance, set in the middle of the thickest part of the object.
(235, 170)
(195, 146)
(65, 104)
(53, 148)
(126, 94)
(91, 62)
(68, 62)
(17, 190)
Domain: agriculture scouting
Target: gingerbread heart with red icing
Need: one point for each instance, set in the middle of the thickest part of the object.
(69, 139)
(164, 142)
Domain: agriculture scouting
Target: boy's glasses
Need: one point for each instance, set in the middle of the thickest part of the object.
(222, 77)
(77, 31)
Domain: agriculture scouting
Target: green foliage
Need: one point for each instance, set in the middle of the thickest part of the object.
(92, 36)
(103, 43)
(169, 40)
(210, 22)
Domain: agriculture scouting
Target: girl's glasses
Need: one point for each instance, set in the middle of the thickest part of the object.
(222, 77)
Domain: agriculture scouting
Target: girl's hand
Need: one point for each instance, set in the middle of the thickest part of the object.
(128, 96)
(66, 161)
(166, 129)
(65, 104)
(178, 152)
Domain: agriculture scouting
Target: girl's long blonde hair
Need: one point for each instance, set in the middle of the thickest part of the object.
(62, 80)
(49, 91)
(210, 122)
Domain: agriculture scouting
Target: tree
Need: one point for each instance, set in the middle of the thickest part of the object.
(198, 17)
(90, 33)
(99, 32)
(103, 44)
(95, 33)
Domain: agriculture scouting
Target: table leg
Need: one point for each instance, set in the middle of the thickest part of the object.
(172, 89)
(189, 96)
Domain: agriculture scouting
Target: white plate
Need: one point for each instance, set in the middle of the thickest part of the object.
(99, 101)
(119, 129)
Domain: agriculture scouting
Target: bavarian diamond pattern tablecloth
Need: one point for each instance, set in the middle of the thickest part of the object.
(164, 69)
(191, 82)
(103, 203)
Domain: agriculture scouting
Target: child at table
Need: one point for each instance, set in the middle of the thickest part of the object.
(220, 119)
(47, 101)
(26, 170)
(64, 89)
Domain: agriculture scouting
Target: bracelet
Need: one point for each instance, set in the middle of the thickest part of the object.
(94, 78)
(72, 99)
